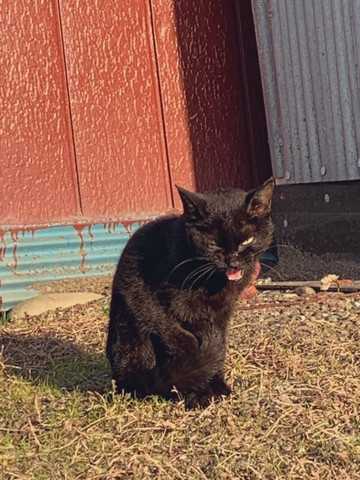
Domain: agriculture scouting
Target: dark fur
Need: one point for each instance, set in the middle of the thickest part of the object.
(168, 329)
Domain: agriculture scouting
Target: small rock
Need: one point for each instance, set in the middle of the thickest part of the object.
(305, 291)
(327, 281)
(288, 296)
(52, 301)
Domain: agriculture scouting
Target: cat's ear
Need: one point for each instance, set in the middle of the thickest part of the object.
(193, 203)
(259, 200)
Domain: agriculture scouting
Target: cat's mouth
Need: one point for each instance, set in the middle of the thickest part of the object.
(234, 274)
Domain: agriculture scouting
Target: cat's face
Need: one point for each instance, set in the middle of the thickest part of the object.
(230, 227)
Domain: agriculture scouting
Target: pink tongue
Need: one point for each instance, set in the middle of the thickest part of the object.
(234, 274)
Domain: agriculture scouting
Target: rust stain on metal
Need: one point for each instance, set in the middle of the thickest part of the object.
(111, 226)
(14, 237)
(128, 224)
(14, 233)
(20, 229)
(3, 246)
(79, 230)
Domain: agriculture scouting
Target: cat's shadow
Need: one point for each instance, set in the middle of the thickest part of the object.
(56, 362)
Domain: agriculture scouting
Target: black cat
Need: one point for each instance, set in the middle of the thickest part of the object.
(174, 290)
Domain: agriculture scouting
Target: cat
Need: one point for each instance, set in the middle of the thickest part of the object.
(174, 291)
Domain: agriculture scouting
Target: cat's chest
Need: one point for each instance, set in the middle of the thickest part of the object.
(200, 308)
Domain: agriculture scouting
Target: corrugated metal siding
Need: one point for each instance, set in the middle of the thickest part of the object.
(309, 54)
(55, 253)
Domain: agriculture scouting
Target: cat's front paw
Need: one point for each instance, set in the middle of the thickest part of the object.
(216, 392)
(198, 400)
(219, 387)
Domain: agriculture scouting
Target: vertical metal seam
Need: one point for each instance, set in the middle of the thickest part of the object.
(314, 162)
(290, 131)
(341, 145)
(331, 89)
(162, 123)
(338, 81)
(354, 83)
(277, 133)
(299, 92)
(319, 101)
(292, 135)
(307, 90)
(350, 136)
(77, 174)
(349, 51)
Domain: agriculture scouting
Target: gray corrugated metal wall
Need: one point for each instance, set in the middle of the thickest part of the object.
(309, 53)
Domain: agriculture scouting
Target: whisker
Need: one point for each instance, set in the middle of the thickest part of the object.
(250, 254)
(191, 276)
(194, 273)
(279, 245)
(200, 276)
(178, 265)
(197, 270)
(285, 245)
(266, 249)
(273, 269)
(210, 274)
(257, 253)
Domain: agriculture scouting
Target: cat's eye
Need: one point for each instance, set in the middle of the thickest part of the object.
(248, 241)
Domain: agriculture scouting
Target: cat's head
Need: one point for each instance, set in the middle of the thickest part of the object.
(230, 228)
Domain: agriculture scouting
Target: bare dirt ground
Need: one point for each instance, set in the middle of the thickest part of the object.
(293, 363)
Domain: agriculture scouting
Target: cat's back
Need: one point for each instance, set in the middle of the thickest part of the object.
(151, 248)
(154, 235)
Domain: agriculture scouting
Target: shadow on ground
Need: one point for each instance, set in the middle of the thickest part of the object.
(55, 362)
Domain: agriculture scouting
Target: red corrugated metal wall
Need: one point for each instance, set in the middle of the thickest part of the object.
(106, 105)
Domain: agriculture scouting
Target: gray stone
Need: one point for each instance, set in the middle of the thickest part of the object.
(51, 301)
(305, 291)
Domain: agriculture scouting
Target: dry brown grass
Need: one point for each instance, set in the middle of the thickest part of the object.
(295, 369)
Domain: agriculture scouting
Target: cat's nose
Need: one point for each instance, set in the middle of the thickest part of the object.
(234, 263)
